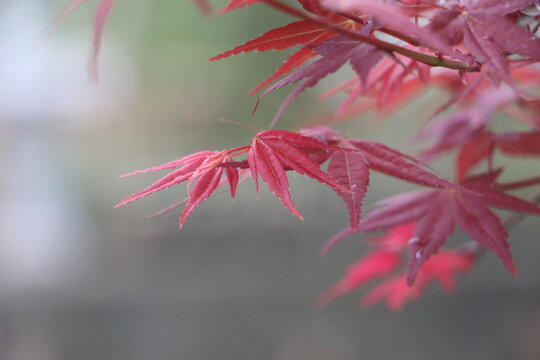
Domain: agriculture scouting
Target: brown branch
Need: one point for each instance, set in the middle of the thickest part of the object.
(383, 45)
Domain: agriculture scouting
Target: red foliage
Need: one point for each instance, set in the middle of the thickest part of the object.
(386, 259)
(483, 53)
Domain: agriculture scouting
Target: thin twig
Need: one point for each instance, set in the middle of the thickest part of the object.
(383, 45)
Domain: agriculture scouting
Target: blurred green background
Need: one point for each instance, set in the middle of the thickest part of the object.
(81, 280)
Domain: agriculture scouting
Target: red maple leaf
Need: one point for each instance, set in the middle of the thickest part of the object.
(464, 125)
(394, 17)
(441, 268)
(100, 17)
(374, 265)
(351, 169)
(293, 61)
(293, 34)
(202, 168)
(484, 144)
(436, 212)
(335, 52)
(385, 259)
(270, 155)
(487, 32)
(273, 151)
(204, 6)
(237, 4)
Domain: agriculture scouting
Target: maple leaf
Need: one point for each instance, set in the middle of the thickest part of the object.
(518, 143)
(203, 168)
(274, 150)
(290, 35)
(204, 6)
(484, 144)
(313, 6)
(350, 170)
(464, 125)
(392, 17)
(391, 162)
(393, 83)
(237, 4)
(335, 53)
(386, 82)
(484, 27)
(487, 32)
(396, 292)
(467, 129)
(292, 62)
(351, 161)
(473, 152)
(436, 212)
(385, 258)
(102, 13)
(372, 266)
(441, 268)
(203, 188)
(100, 17)
(303, 32)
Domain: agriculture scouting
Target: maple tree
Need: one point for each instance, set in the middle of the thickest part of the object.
(483, 53)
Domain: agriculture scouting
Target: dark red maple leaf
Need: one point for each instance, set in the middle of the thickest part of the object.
(436, 211)
(390, 84)
(483, 145)
(350, 170)
(392, 16)
(487, 32)
(391, 162)
(335, 53)
(462, 126)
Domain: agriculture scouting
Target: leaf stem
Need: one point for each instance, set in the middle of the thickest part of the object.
(383, 45)
(235, 164)
(241, 150)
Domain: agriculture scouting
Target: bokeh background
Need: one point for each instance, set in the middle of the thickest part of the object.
(81, 280)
